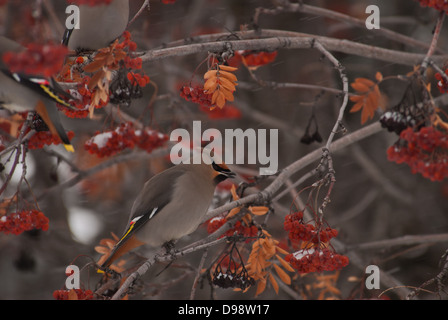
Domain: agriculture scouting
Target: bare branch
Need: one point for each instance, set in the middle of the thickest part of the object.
(278, 39)
(401, 241)
(309, 9)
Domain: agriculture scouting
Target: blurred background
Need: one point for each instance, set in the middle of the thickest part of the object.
(373, 199)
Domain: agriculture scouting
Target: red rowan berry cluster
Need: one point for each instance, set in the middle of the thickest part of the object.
(441, 5)
(80, 294)
(316, 260)
(138, 79)
(252, 58)
(258, 58)
(196, 94)
(442, 83)
(89, 2)
(135, 63)
(229, 112)
(424, 151)
(43, 138)
(124, 137)
(215, 223)
(301, 231)
(81, 107)
(315, 255)
(239, 228)
(44, 60)
(168, 1)
(21, 221)
(122, 89)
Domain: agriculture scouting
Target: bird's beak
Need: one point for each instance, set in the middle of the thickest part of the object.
(230, 175)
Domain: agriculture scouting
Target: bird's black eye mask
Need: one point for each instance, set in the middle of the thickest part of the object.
(223, 173)
(220, 169)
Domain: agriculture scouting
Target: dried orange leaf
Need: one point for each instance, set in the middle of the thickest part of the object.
(227, 84)
(221, 99)
(373, 100)
(358, 106)
(233, 212)
(211, 85)
(255, 245)
(369, 108)
(215, 96)
(260, 287)
(365, 81)
(72, 295)
(108, 242)
(96, 79)
(95, 65)
(360, 87)
(282, 274)
(356, 98)
(268, 249)
(267, 234)
(246, 219)
(333, 290)
(115, 236)
(228, 75)
(227, 95)
(273, 282)
(210, 74)
(379, 76)
(233, 192)
(284, 263)
(439, 122)
(227, 68)
(369, 104)
(101, 249)
(259, 210)
(281, 250)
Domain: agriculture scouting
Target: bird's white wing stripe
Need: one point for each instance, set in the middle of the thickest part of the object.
(136, 219)
(17, 77)
(153, 212)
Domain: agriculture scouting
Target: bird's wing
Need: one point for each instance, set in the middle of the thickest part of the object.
(40, 85)
(66, 37)
(151, 200)
(156, 193)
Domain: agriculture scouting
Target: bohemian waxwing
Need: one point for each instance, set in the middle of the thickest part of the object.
(21, 93)
(171, 205)
(99, 26)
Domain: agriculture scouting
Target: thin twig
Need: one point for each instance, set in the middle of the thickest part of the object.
(18, 146)
(301, 163)
(158, 258)
(147, 5)
(434, 40)
(340, 68)
(82, 174)
(401, 241)
(331, 14)
(377, 175)
(198, 274)
(289, 40)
